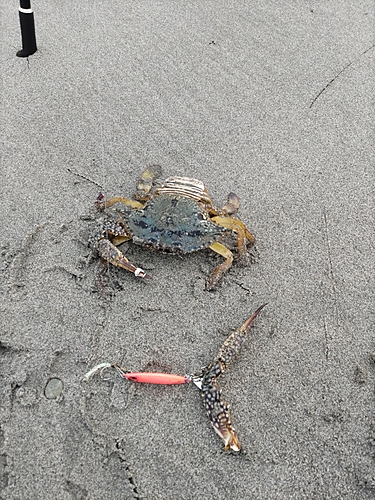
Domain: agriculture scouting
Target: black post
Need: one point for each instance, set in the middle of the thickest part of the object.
(27, 29)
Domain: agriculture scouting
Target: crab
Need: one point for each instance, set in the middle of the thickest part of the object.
(176, 217)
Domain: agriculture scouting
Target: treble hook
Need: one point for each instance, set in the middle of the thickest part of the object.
(96, 368)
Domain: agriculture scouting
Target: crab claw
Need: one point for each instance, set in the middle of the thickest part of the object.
(246, 326)
(234, 342)
(233, 204)
(216, 407)
(109, 252)
(100, 201)
(218, 412)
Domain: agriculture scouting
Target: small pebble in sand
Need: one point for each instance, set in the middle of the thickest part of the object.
(53, 388)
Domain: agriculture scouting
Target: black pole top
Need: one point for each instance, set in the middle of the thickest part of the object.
(27, 29)
(25, 4)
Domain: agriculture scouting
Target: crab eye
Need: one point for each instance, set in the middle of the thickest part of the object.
(201, 216)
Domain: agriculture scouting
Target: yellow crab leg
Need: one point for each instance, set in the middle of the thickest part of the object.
(120, 199)
(239, 227)
(120, 239)
(146, 181)
(221, 268)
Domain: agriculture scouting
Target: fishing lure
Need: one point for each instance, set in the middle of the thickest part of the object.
(206, 381)
(142, 377)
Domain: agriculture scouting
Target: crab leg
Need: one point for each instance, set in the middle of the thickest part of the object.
(239, 227)
(146, 181)
(221, 268)
(109, 252)
(102, 203)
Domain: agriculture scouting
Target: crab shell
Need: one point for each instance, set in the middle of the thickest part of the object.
(173, 224)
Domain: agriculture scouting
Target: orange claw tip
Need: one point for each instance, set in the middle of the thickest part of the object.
(156, 378)
(246, 326)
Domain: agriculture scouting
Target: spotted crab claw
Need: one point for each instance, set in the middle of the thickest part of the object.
(109, 252)
(234, 342)
(216, 408)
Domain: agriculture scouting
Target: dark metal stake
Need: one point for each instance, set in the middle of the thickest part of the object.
(27, 29)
